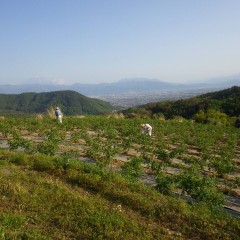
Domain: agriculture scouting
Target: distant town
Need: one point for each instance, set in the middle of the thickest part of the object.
(135, 99)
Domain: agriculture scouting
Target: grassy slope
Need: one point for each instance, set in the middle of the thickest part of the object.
(48, 198)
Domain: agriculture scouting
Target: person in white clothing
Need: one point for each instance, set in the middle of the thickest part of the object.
(146, 129)
(58, 114)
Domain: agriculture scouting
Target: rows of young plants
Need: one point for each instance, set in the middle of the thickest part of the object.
(53, 197)
(199, 160)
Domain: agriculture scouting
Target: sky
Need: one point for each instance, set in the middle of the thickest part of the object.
(95, 41)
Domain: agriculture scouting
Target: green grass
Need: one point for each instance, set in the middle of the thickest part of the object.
(44, 197)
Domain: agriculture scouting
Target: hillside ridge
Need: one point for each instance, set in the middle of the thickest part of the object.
(226, 101)
(71, 103)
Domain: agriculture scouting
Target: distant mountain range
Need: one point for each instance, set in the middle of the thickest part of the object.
(70, 102)
(127, 86)
(101, 89)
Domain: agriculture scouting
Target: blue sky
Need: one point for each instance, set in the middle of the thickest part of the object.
(92, 41)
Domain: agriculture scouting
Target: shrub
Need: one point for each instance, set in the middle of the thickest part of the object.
(211, 116)
(47, 147)
(19, 141)
(200, 188)
(222, 165)
(133, 168)
(165, 183)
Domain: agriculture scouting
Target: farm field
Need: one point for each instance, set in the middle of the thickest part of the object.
(182, 160)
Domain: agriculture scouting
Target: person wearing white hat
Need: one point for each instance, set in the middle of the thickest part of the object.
(58, 114)
(146, 129)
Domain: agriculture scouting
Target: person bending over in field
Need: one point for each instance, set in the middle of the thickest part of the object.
(58, 114)
(146, 129)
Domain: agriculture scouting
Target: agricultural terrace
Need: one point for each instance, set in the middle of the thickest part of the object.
(172, 185)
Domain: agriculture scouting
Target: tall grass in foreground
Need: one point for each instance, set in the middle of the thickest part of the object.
(44, 197)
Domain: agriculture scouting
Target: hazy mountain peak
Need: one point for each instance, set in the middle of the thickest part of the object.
(139, 80)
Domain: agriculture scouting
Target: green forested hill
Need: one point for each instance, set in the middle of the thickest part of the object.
(70, 102)
(226, 101)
